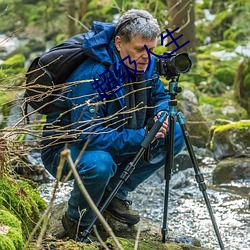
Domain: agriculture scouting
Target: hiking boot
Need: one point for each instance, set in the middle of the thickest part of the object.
(121, 211)
(75, 231)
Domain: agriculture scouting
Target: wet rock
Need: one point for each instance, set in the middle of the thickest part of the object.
(181, 179)
(197, 125)
(231, 169)
(232, 139)
(150, 234)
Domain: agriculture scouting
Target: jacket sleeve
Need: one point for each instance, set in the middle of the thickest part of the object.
(88, 121)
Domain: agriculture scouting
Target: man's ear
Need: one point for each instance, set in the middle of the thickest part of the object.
(118, 43)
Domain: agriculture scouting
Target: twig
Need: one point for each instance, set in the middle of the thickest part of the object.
(137, 236)
(66, 154)
(77, 21)
(185, 5)
(186, 24)
(99, 238)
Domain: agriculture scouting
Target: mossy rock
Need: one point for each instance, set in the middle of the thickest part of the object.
(10, 231)
(22, 200)
(197, 125)
(232, 139)
(231, 169)
(128, 244)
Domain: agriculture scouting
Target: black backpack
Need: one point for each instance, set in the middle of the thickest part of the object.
(48, 73)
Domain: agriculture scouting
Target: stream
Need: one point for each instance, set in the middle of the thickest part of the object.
(187, 212)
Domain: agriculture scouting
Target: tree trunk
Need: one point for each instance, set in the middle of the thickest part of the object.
(72, 13)
(182, 15)
(83, 7)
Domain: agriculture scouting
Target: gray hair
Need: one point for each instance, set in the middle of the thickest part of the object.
(137, 22)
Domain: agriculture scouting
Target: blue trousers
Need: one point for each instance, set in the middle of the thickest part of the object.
(100, 170)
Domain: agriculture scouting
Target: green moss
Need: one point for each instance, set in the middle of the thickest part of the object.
(6, 243)
(212, 100)
(235, 125)
(13, 71)
(16, 61)
(22, 200)
(9, 219)
(239, 128)
(16, 237)
(128, 244)
(228, 45)
(224, 75)
(14, 234)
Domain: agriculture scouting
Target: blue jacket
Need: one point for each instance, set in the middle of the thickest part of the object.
(88, 118)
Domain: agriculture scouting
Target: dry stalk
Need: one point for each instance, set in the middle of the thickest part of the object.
(99, 238)
(138, 236)
(66, 154)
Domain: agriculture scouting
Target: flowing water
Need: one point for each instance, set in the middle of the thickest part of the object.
(187, 212)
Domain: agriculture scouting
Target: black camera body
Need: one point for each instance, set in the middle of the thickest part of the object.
(172, 65)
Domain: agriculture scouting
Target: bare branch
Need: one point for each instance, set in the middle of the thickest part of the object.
(66, 154)
(79, 22)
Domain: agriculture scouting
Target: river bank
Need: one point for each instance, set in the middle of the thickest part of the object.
(188, 215)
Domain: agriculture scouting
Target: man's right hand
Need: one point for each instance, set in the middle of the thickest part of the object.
(164, 128)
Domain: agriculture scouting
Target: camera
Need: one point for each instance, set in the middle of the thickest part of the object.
(172, 65)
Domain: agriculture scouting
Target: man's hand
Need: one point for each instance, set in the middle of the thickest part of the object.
(164, 128)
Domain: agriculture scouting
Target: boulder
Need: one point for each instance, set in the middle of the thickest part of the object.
(231, 169)
(150, 235)
(231, 139)
(197, 125)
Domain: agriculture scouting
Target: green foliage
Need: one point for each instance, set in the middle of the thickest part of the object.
(224, 75)
(230, 23)
(17, 61)
(219, 102)
(214, 101)
(242, 84)
(12, 67)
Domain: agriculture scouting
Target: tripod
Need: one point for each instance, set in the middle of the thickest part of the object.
(173, 90)
(169, 163)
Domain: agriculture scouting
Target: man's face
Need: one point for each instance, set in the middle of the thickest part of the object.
(136, 50)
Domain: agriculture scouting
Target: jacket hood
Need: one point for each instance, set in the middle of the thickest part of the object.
(98, 42)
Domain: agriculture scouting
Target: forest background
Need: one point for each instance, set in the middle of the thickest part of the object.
(217, 31)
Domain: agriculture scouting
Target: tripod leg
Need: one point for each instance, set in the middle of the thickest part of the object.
(168, 173)
(199, 177)
(129, 168)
